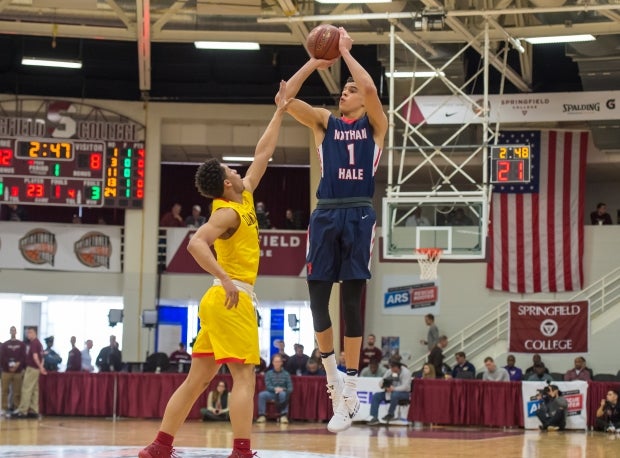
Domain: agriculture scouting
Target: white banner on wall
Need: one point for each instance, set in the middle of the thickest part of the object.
(408, 295)
(574, 392)
(515, 108)
(66, 247)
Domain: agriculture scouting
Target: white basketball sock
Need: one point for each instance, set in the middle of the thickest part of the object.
(350, 386)
(331, 369)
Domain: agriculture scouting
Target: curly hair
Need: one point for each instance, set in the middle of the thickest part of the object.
(210, 178)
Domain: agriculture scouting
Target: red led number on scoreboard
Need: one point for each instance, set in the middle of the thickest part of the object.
(503, 170)
(95, 161)
(6, 155)
(503, 167)
(34, 190)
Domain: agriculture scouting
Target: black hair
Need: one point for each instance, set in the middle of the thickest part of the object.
(210, 178)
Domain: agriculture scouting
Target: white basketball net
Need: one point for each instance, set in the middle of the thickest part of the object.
(428, 260)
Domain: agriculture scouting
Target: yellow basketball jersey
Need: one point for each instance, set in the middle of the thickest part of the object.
(239, 255)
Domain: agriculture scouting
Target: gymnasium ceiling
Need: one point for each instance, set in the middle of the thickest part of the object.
(143, 49)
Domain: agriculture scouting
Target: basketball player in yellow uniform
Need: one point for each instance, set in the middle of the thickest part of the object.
(228, 327)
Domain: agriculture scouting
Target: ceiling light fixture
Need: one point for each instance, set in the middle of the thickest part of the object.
(33, 298)
(560, 39)
(230, 45)
(398, 74)
(44, 62)
(240, 158)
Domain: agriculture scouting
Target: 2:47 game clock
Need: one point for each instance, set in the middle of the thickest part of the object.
(510, 163)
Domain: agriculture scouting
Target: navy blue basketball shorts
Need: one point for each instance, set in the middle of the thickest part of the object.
(340, 242)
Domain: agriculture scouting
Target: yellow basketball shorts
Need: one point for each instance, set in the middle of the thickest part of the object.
(229, 335)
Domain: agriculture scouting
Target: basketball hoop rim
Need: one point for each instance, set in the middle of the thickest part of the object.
(429, 252)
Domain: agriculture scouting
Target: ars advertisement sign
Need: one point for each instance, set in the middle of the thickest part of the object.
(549, 327)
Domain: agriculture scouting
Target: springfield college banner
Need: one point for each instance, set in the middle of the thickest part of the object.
(549, 327)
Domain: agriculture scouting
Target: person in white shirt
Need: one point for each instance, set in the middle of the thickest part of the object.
(87, 362)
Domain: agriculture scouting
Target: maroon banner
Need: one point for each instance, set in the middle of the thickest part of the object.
(282, 253)
(549, 327)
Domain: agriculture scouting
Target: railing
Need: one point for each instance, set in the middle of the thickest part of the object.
(493, 325)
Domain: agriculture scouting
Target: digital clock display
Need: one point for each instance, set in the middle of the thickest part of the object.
(45, 149)
(72, 172)
(510, 164)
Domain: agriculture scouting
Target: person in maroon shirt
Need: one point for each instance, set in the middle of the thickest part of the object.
(12, 364)
(579, 372)
(173, 218)
(29, 404)
(74, 361)
(369, 352)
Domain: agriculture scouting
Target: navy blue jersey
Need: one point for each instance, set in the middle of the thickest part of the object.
(341, 231)
(349, 159)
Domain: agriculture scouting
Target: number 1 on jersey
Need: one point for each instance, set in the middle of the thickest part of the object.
(351, 149)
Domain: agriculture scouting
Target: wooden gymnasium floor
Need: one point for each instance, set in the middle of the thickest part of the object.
(98, 437)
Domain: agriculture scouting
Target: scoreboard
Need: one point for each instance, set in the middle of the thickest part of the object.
(510, 164)
(68, 172)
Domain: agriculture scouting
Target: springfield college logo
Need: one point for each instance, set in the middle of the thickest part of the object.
(549, 327)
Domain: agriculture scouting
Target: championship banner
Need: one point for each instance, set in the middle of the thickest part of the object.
(66, 247)
(549, 327)
(408, 295)
(514, 108)
(574, 392)
(282, 253)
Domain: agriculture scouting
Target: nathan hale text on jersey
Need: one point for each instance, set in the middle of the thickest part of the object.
(349, 159)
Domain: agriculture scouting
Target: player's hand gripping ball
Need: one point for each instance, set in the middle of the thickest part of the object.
(323, 42)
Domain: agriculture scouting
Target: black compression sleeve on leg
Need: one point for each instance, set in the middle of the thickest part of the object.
(351, 291)
(319, 304)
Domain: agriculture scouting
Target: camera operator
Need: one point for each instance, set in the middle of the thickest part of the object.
(553, 409)
(396, 384)
(608, 413)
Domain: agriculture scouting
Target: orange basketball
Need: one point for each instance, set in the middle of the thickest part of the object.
(323, 42)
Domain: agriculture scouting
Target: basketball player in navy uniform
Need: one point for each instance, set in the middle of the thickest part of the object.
(342, 226)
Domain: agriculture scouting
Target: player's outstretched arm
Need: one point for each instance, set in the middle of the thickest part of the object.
(366, 86)
(267, 143)
(199, 246)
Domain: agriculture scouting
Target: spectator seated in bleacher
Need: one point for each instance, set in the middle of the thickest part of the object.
(374, 369)
(530, 370)
(516, 375)
(157, 362)
(579, 372)
(296, 363)
(463, 368)
(180, 355)
(313, 368)
(278, 388)
(539, 374)
(494, 373)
